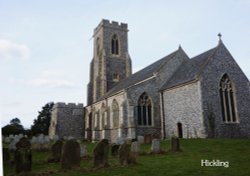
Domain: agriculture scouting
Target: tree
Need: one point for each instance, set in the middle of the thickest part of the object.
(15, 121)
(41, 124)
(14, 127)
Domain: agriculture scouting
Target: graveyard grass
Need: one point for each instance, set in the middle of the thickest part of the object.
(187, 162)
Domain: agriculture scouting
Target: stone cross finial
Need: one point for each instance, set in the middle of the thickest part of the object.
(219, 35)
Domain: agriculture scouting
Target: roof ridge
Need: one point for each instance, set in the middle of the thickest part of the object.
(207, 61)
(173, 54)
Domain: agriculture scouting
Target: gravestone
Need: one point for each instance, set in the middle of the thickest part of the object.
(135, 147)
(12, 145)
(140, 139)
(119, 140)
(125, 155)
(70, 155)
(7, 140)
(55, 138)
(100, 153)
(56, 151)
(148, 138)
(46, 139)
(175, 144)
(23, 156)
(114, 149)
(83, 150)
(155, 146)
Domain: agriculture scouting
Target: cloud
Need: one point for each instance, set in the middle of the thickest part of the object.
(52, 79)
(9, 49)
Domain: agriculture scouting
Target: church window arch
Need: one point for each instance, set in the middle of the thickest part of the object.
(115, 111)
(227, 98)
(115, 45)
(144, 110)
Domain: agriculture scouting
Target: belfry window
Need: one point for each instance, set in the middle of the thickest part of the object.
(115, 45)
(227, 98)
(144, 110)
(116, 77)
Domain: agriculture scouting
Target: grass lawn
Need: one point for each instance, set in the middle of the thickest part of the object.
(187, 162)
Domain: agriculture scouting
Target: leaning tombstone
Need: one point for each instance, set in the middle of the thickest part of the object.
(155, 146)
(23, 156)
(135, 147)
(70, 155)
(114, 149)
(175, 144)
(101, 153)
(125, 155)
(56, 151)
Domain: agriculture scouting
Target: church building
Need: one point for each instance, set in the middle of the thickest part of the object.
(200, 97)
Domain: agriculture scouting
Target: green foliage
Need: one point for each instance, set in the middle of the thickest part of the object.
(41, 124)
(14, 127)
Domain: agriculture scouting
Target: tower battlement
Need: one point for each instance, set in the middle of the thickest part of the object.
(111, 24)
(68, 105)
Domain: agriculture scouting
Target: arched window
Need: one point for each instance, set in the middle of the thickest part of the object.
(115, 110)
(144, 109)
(115, 45)
(227, 98)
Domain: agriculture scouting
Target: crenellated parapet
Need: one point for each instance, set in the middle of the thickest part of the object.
(111, 24)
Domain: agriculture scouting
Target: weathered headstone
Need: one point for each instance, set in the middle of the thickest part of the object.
(135, 147)
(46, 139)
(83, 150)
(155, 146)
(175, 144)
(140, 139)
(125, 155)
(148, 138)
(119, 140)
(12, 145)
(101, 153)
(70, 155)
(114, 149)
(23, 156)
(56, 151)
(55, 138)
(7, 140)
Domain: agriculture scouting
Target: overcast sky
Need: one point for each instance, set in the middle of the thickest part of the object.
(46, 45)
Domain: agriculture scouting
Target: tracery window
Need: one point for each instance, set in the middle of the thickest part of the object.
(115, 45)
(144, 110)
(227, 99)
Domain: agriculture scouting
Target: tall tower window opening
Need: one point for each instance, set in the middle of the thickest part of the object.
(115, 45)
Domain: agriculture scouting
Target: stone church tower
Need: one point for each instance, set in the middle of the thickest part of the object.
(111, 62)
